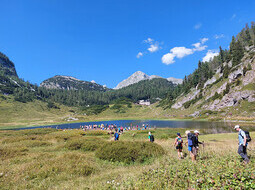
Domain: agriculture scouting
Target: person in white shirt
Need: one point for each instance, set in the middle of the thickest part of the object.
(242, 144)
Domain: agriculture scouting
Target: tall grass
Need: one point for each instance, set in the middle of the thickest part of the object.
(74, 159)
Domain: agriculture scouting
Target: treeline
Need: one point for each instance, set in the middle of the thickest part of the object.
(147, 89)
(25, 92)
(206, 70)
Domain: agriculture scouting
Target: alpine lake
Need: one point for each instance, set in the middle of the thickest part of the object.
(206, 127)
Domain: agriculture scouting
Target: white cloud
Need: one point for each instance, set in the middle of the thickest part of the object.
(199, 45)
(209, 55)
(140, 54)
(203, 40)
(168, 58)
(180, 52)
(218, 36)
(149, 40)
(197, 26)
(233, 17)
(153, 48)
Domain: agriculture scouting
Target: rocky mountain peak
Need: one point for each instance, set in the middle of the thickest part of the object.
(71, 83)
(139, 76)
(6, 66)
(175, 80)
(134, 78)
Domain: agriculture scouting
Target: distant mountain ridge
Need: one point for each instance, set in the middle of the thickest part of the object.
(139, 76)
(6, 66)
(71, 83)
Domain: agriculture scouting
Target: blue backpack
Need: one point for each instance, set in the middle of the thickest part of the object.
(190, 139)
(116, 135)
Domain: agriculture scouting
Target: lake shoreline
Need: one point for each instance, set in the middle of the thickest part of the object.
(54, 124)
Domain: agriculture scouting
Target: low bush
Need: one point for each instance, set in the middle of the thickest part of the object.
(129, 152)
(36, 143)
(69, 164)
(86, 144)
(96, 133)
(7, 153)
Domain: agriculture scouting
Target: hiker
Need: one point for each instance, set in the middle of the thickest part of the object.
(178, 143)
(151, 137)
(195, 143)
(190, 144)
(116, 136)
(242, 145)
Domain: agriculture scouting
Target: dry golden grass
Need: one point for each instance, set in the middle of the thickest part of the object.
(40, 160)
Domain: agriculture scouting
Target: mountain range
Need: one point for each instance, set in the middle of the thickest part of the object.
(71, 83)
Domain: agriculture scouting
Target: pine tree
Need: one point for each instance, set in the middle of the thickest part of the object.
(237, 53)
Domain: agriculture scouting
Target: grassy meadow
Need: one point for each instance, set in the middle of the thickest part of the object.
(76, 159)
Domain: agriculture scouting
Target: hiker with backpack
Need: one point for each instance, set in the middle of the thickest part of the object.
(151, 137)
(193, 143)
(116, 135)
(178, 143)
(244, 138)
(190, 144)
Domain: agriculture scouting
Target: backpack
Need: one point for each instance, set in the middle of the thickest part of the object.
(117, 136)
(190, 139)
(248, 137)
(179, 141)
(152, 138)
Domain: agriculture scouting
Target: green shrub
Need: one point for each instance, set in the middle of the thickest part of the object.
(96, 133)
(36, 143)
(6, 153)
(129, 152)
(87, 144)
(69, 164)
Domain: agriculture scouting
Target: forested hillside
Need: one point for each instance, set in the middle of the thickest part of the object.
(223, 65)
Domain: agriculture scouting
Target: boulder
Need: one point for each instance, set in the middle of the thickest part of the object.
(196, 113)
(249, 77)
(210, 81)
(235, 74)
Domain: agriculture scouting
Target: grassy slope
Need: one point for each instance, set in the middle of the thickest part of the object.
(13, 113)
(38, 159)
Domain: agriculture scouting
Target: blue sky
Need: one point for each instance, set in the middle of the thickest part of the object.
(100, 40)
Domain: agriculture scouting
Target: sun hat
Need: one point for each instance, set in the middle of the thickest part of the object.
(178, 134)
(237, 127)
(187, 132)
(196, 131)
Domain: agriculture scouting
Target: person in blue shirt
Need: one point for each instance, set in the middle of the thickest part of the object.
(242, 144)
(116, 136)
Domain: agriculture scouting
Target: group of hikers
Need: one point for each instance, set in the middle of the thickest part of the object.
(111, 127)
(193, 144)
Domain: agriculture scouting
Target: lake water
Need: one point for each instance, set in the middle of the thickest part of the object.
(206, 126)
